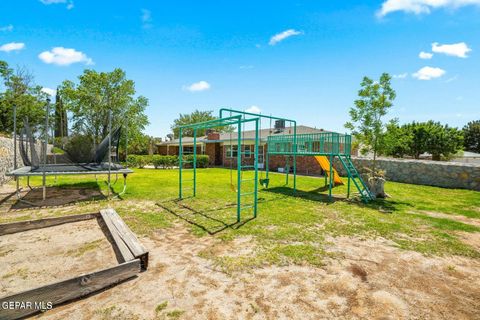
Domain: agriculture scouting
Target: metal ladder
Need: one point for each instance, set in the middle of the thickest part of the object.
(183, 179)
(353, 174)
(240, 192)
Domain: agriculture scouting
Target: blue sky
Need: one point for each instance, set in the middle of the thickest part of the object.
(297, 59)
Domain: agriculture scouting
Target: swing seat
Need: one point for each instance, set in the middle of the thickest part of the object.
(264, 182)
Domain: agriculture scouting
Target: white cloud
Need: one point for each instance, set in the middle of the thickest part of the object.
(12, 46)
(425, 55)
(146, 18)
(283, 35)
(6, 28)
(68, 2)
(245, 67)
(197, 86)
(428, 73)
(456, 49)
(253, 109)
(49, 91)
(64, 56)
(400, 76)
(421, 6)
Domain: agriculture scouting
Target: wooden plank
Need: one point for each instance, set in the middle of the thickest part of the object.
(119, 243)
(127, 236)
(8, 228)
(70, 289)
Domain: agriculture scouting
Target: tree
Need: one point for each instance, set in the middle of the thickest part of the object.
(442, 141)
(471, 134)
(367, 123)
(19, 89)
(397, 140)
(98, 93)
(416, 138)
(61, 122)
(194, 117)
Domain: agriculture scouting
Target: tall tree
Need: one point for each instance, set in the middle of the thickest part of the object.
(367, 116)
(471, 133)
(98, 93)
(61, 123)
(20, 89)
(194, 117)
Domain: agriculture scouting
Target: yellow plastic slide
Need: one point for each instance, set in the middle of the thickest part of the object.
(325, 164)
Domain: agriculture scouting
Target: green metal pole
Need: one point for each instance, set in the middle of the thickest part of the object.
(239, 169)
(348, 186)
(255, 195)
(267, 156)
(194, 162)
(294, 156)
(180, 163)
(330, 179)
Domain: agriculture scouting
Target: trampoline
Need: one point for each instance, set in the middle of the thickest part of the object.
(101, 163)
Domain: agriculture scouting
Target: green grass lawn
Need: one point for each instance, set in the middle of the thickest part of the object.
(294, 228)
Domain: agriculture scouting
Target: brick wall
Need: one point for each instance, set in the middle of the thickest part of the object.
(305, 165)
(210, 152)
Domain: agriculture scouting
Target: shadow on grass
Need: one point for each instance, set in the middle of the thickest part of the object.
(388, 205)
(313, 195)
(190, 217)
(61, 195)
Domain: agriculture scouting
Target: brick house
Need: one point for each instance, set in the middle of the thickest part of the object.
(218, 146)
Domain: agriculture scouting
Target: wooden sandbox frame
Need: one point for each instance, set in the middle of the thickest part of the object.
(129, 250)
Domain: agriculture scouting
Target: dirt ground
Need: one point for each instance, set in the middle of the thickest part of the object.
(38, 257)
(365, 279)
(361, 279)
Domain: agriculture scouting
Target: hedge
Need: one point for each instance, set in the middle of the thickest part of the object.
(165, 162)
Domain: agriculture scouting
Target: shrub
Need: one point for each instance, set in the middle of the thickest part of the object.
(171, 161)
(139, 161)
(132, 160)
(143, 160)
(79, 148)
(164, 161)
(202, 161)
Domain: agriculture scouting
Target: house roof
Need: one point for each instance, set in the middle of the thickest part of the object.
(246, 135)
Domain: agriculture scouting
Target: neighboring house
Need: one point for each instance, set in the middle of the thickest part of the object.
(222, 149)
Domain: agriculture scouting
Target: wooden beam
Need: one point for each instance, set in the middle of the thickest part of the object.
(14, 227)
(124, 251)
(70, 289)
(124, 237)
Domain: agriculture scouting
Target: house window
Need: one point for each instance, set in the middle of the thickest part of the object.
(187, 150)
(231, 151)
(247, 151)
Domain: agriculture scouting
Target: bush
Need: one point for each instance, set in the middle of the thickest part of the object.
(139, 161)
(79, 148)
(202, 161)
(164, 162)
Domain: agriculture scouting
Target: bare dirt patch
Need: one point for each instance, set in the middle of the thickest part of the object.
(38, 257)
(364, 279)
(459, 218)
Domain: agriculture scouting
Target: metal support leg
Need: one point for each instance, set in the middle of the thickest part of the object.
(17, 191)
(28, 183)
(330, 178)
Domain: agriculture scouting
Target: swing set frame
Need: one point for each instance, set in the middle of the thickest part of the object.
(237, 121)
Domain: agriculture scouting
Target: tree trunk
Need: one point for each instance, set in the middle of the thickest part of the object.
(377, 187)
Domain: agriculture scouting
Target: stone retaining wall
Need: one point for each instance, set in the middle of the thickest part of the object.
(424, 172)
(6, 157)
